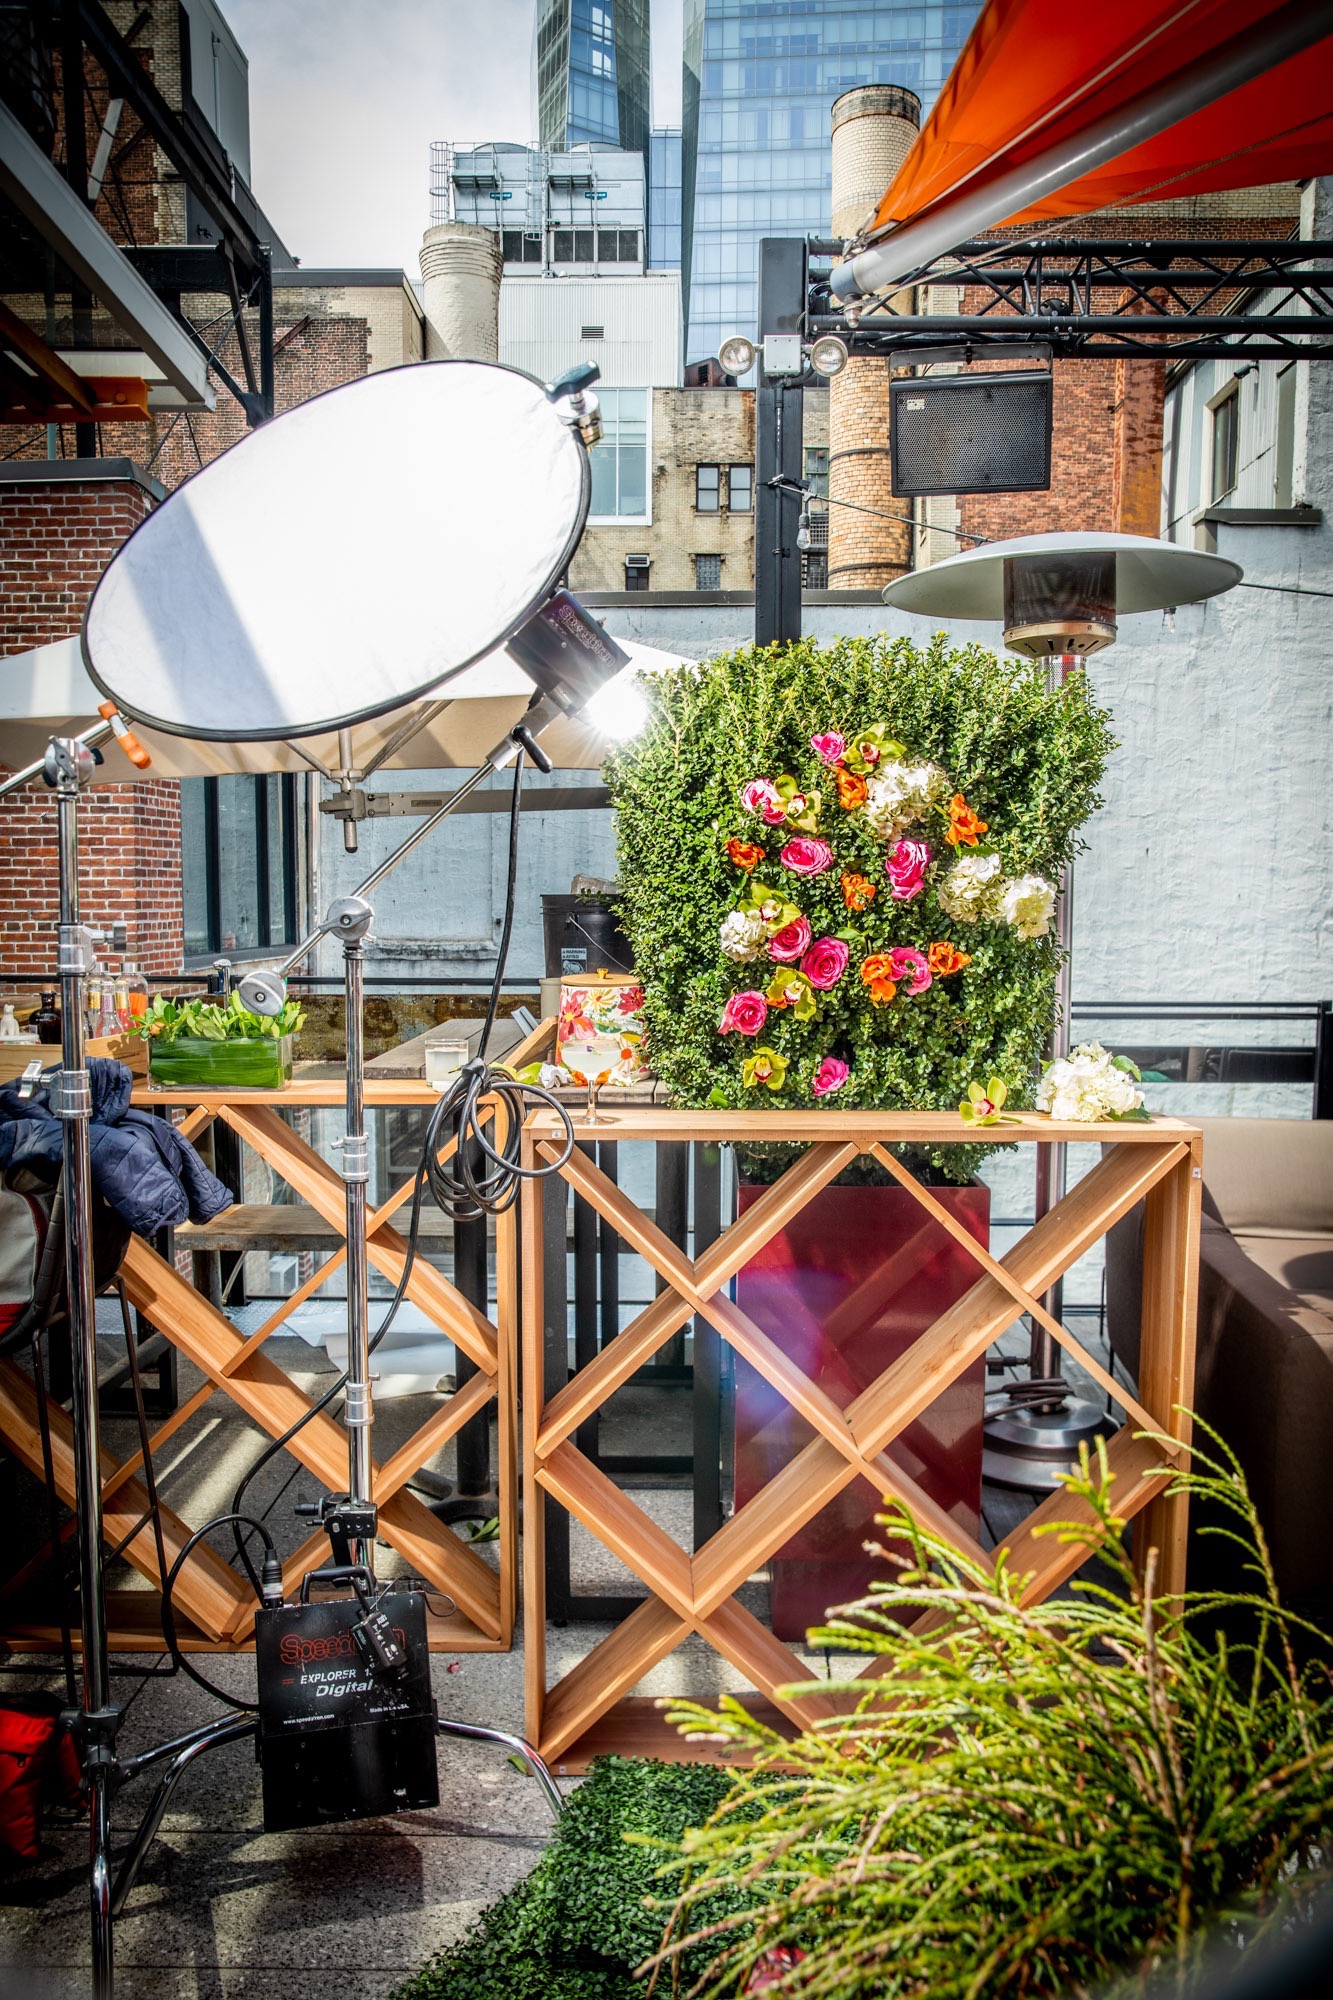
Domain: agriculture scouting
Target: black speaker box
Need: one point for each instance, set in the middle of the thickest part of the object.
(970, 433)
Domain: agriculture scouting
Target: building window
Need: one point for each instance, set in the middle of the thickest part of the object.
(238, 838)
(573, 246)
(1226, 443)
(521, 246)
(816, 472)
(617, 246)
(620, 462)
(814, 560)
(708, 572)
(707, 489)
(713, 482)
(1284, 471)
(740, 488)
(636, 572)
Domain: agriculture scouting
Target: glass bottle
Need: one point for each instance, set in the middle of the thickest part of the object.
(108, 1023)
(136, 988)
(92, 1004)
(9, 1027)
(47, 1018)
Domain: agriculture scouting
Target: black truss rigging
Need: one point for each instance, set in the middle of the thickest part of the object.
(1089, 299)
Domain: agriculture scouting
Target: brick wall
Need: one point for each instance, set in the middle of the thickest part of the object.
(56, 536)
(691, 427)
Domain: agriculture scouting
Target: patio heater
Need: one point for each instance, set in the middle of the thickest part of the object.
(301, 583)
(1057, 598)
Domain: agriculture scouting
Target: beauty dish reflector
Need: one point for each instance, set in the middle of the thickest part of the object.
(345, 558)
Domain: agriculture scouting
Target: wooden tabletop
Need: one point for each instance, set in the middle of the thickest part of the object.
(929, 1128)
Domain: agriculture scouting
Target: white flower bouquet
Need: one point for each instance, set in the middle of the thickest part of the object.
(1089, 1086)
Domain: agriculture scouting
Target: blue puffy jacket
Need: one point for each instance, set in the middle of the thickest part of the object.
(141, 1165)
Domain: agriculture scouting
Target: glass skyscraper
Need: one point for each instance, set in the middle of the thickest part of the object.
(592, 73)
(664, 200)
(760, 78)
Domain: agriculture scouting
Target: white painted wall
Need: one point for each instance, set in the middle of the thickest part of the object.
(542, 322)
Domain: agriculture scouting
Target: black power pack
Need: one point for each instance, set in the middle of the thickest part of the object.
(339, 1737)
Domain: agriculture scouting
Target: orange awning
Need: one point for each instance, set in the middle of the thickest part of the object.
(1055, 108)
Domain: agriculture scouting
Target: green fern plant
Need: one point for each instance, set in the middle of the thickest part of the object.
(1034, 1799)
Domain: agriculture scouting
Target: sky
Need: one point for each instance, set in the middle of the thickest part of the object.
(346, 96)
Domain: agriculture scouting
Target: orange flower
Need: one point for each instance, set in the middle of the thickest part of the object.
(745, 854)
(943, 959)
(858, 892)
(877, 977)
(851, 789)
(964, 826)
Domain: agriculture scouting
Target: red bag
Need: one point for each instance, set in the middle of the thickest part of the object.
(24, 1219)
(38, 1766)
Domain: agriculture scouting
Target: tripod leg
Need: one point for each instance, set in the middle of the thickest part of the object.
(541, 1770)
(227, 1729)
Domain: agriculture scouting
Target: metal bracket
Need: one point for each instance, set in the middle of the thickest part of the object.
(72, 1097)
(349, 918)
(355, 1149)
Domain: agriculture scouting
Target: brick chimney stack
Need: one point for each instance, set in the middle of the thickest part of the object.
(460, 270)
(873, 127)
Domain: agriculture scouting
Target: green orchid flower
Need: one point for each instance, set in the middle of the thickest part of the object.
(870, 748)
(792, 989)
(802, 806)
(764, 1067)
(771, 904)
(983, 1107)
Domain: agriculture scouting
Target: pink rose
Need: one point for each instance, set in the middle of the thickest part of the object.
(807, 857)
(744, 1014)
(787, 944)
(829, 747)
(762, 796)
(906, 868)
(911, 965)
(825, 962)
(831, 1075)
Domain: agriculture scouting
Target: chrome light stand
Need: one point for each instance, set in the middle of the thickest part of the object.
(67, 768)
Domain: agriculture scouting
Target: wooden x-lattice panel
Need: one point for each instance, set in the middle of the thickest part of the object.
(215, 1604)
(587, 1710)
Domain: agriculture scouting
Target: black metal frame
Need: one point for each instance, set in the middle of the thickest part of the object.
(1074, 298)
(239, 266)
(1172, 300)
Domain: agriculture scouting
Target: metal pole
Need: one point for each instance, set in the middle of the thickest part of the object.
(97, 1721)
(357, 1414)
(1052, 1161)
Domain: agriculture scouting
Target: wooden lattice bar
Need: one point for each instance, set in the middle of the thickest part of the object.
(592, 1707)
(214, 1603)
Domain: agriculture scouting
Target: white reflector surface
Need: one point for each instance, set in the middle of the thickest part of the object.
(344, 558)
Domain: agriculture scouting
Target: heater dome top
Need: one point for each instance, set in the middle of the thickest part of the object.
(1149, 575)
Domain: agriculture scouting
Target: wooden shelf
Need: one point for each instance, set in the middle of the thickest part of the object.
(215, 1601)
(592, 1709)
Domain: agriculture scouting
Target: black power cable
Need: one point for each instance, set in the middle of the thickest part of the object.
(482, 1178)
(268, 1591)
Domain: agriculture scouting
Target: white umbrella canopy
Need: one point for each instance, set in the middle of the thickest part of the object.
(47, 692)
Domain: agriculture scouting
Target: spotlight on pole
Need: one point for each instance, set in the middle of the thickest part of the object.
(736, 355)
(829, 355)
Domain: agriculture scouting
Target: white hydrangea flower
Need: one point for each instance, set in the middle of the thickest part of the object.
(900, 794)
(1087, 1086)
(970, 888)
(1028, 903)
(744, 935)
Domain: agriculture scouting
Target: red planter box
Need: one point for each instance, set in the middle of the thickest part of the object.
(844, 1290)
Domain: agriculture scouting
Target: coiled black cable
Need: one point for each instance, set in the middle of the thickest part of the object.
(480, 1179)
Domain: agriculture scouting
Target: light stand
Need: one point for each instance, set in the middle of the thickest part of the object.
(67, 767)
